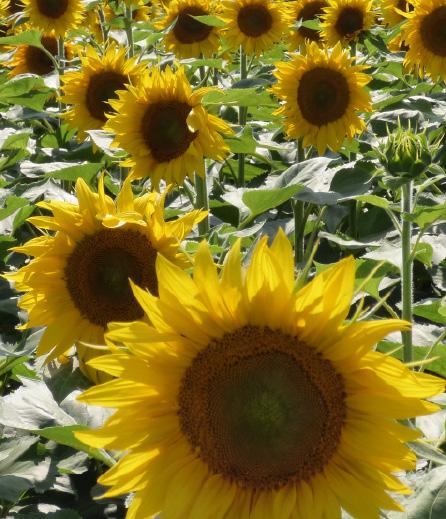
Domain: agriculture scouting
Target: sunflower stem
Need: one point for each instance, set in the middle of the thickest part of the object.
(299, 231)
(60, 68)
(102, 23)
(406, 267)
(128, 29)
(242, 114)
(202, 202)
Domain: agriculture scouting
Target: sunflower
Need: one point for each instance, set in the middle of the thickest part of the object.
(93, 22)
(322, 91)
(28, 59)
(306, 10)
(165, 129)
(188, 37)
(54, 15)
(389, 11)
(426, 38)
(245, 399)
(254, 24)
(78, 279)
(8, 8)
(90, 89)
(345, 20)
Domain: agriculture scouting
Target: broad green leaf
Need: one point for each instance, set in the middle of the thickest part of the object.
(24, 38)
(72, 173)
(244, 143)
(65, 436)
(261, 200)
(238, 97)
(212, 21)
(13, 203)
(434, 310)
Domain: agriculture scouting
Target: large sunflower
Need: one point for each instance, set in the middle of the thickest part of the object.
(425, 35)
(254, 24)
(306, 10)
(78, 280)
(165, 129)
(32, 60)
(90, 89)
(322, 91)
(247, 400)
(54, 15)
(188, 37)
(344, 20)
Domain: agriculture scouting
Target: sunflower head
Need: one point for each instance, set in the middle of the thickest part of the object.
(247, 399)
(78, 280)
(424, 34)
(345, 20)
(322, 91)
(54, 15)
(188, 37)
(254, 24)
(28, 59)
(306, 10)
(90, 89)
(165, 129)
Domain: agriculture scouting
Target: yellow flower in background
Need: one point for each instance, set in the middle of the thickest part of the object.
(28, 59)
(78, 280)
(90, 89)
(389, 11)
(246, 399)
(306, 10)
(254, 24)
(322, 91)
(54, 15)
(8, 8)
(424, 33)
(162, 124)
(93, 23)
(188, 37)
(344, 20)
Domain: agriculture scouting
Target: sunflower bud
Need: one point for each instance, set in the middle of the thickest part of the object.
(406, 154)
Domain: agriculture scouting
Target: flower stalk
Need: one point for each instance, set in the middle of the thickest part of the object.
(242, 114)
(202, 202)
(407, 267)
(128, 20)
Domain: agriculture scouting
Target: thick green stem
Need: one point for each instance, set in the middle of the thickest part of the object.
(128, 29)
(242, 113)
(202, 202)
(406, 268)
(60, 66)
(299, 231)
(102, 23)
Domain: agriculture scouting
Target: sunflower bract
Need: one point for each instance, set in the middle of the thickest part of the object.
(247, 399)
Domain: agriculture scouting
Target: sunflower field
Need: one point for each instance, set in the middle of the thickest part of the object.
(222, 259)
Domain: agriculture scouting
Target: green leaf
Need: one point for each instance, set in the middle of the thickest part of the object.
(374, 200)
(65, 436)
(13, 203)
(426, 215)
(261, 200)
(433, 310)
(238, 97)
(32, 37)
(72, 173)
(245, 143)
(212, 21)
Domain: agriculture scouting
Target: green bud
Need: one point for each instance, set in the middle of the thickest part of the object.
(406, 154)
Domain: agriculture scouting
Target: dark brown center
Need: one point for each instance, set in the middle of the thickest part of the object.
(98, 270)
(350, 20)
(37, 61)
(433, 31)
(189, 30)
(101, 88)
(261, 408)
(52, 8)
(254, 20)
(323, 95)
(165, 130)
(311, 11)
